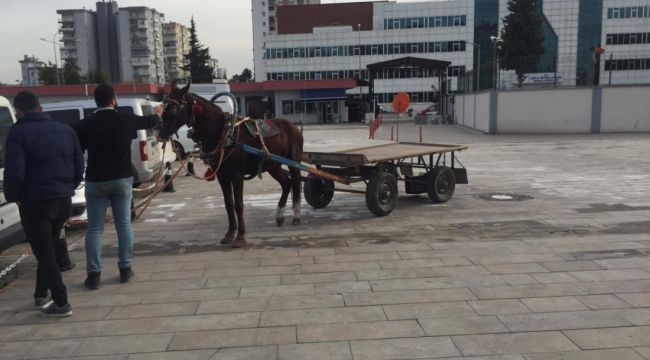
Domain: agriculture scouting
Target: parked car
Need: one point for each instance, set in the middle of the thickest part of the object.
(183, 144)
(11, 232)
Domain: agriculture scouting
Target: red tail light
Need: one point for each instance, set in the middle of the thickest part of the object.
(143, 151)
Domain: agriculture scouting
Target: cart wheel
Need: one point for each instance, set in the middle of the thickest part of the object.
(381, 194)
(441, 184)
(318, 192)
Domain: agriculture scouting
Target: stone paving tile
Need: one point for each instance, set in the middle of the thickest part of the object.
(177, 275)
(269, 352)
(175, 355)
(492, 357)
(563, 320)
(45, 348)
(462, 271)
(554, 278)
(92, 300)
(615, 286)
(335, 267)
(221, 264)
(195, 340)
(166, 296)
(515, 268)
(398, 264)
(239, 281)
(602, 302)
(514, 259)
(572, 265)
(435, 283)
(158, 286)
(427, 310)
(269, 253)
(455, 261)
(609, 275)
(316, 351)
(321, 316)
(279, 290)
(398, 273)
(636, 316)
(316, 251)
(499, 307)
(342, 288)
(81, 314)
(552, 304)
(462, 325)
(361, 249)
(644, 351)
(519, 343)
(148, 268)
(124, 344)
(641, 299)
(13, 350)
(253, 271)
(525, 291)
(314, 278)
(324, 259)
(208, 256)
(406, 348)
(271, 303)
(359, 331)
(407, 297)
(183, 323)
(294, 260)
(152, 310)
(610, 338)
(628, 263)
(518, 279)
(618, 354)
(68, 330)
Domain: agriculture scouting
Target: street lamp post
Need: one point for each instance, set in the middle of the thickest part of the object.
(495, 42)
(360, 70)
(56, 63)
(478, 71)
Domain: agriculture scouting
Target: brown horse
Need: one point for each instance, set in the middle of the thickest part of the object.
(214, 132)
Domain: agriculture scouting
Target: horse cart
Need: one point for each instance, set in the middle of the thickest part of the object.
(433, 169)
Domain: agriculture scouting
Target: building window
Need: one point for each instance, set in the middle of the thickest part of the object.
(287, 107)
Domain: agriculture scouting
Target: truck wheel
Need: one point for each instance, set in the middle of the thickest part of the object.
(441, 183)
(318, 192)
(381, 193)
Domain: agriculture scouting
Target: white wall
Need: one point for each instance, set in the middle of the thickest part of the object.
(626, 109)
(473, 111)
(553, 111)
(483, 112)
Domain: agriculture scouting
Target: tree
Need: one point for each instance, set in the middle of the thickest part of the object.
(245, 76)
(96, 77)
(198, 59)
(71, 72)
(522, 38)
(47, 74)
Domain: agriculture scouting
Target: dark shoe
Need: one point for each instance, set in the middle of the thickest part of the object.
(92, 281)
(126, 274)
(57, 311)
(42, 303)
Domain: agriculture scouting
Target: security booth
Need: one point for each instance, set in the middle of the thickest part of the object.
(413, 67)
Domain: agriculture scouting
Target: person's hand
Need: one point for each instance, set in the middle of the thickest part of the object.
(158, 110)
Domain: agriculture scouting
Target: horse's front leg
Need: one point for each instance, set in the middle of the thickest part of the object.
(226, 188)
(238, 189)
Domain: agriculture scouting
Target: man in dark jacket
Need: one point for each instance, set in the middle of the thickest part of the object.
(107, 136)
(43, 166)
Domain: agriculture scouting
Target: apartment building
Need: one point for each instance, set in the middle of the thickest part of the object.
(29, 69)
(176, 43)
(79, 41)
(140, 45)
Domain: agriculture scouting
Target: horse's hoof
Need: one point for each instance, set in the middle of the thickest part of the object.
(279, 222)
(226, 240)
(239, 243)
(296, 221)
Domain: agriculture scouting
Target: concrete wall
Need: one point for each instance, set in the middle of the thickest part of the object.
(557, 111)
(626, 109)
(564, 111)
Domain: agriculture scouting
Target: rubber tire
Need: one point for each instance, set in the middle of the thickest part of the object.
(315, 192)
(181, 150)
(376, 202)
(441, 183)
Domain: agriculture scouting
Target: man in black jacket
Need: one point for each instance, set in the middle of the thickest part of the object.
(107, 136)
(43, 166)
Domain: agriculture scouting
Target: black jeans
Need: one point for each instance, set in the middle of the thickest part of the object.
(42, 221)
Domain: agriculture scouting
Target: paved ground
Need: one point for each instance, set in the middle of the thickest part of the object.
(561, 274)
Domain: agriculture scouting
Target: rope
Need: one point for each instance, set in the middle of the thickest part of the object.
(13, 265)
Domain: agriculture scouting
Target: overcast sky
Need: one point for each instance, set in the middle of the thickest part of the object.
(223, 25)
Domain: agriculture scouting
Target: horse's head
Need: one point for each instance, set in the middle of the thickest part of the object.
(179, 106)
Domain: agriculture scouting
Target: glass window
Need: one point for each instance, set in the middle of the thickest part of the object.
(310, 107)
(317, 52)
(70, 116)
(374, 49)
(616, 13)
(287, 107)
(628, 12)
(463, 20)
(441, 21)
(6, 122)
(437, 46)
(610, 12)
(335, 51)
(634, 12)
(402, 23)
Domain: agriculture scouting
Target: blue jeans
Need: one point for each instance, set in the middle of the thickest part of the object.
(117, 193)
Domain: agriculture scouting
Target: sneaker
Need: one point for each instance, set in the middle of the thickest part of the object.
(126, 274)
(41, 303)
(92, 281)
(57, 311)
